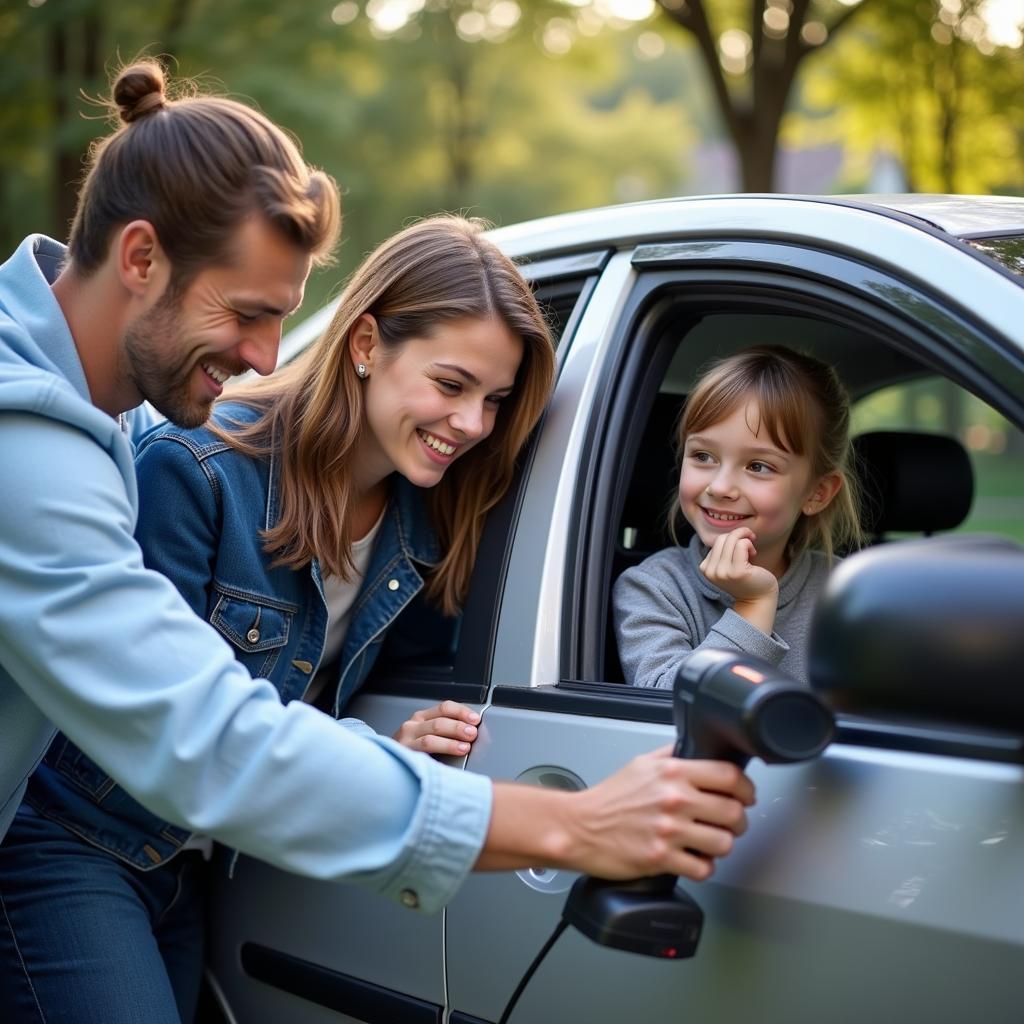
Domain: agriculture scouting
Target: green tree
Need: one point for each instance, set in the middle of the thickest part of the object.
(52, 53)
(752, 51)
(503, 125)
(455, 106)
(930, 84)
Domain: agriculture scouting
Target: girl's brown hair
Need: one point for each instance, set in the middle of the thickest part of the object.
(436, 271)
(195, 167)
(806, 411)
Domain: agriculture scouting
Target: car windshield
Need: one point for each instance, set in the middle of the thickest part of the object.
(1008, 251)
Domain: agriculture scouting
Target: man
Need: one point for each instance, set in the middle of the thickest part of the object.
(196, 229)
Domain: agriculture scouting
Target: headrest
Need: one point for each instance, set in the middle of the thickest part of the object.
(912, 482)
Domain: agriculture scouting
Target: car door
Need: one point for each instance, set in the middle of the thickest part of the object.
(286, 948)
(882, 881)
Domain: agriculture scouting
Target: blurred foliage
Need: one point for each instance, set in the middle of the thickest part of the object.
(510, 109)
(424, 118)
(928, 82)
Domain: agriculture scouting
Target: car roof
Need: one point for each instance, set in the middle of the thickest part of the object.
(963, 216)
(957, 216)
(892, 230)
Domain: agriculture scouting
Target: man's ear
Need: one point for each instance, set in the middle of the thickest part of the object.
(362, 341)
(142, 265)
(827, 487)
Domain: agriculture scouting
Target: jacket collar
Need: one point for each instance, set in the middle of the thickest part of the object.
(26, 295)
(225, 415)
(412, 523)
(406, 519)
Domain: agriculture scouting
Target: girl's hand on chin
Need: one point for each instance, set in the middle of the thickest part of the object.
(446, 728)
(729, 566)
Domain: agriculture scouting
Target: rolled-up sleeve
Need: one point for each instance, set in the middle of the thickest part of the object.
(110, 652)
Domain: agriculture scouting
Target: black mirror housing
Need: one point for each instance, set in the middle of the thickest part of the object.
(930, 628)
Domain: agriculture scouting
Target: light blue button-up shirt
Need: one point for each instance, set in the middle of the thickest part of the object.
(108, 652)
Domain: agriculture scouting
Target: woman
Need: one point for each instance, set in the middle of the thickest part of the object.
(300, 522)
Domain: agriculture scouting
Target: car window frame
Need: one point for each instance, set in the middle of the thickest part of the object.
(806, 282)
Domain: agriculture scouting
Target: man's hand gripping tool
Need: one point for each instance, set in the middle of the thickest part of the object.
(727, 706)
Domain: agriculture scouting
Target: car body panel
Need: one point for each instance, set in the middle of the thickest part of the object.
(874, 882)
(343, 928)
(904, 861)
(810, 217)
(964, 216)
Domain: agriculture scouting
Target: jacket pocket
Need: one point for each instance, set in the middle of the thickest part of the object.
(75, 767)
(257, 629)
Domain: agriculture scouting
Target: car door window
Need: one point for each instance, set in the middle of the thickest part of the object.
(993, 444)
(899, 378)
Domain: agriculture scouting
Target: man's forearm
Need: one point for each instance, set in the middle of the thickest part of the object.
(528, 828)
(655, 814)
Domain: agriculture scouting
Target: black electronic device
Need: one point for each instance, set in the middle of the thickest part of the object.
(726, 706)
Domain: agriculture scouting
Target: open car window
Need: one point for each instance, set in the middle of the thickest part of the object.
(426, 652)
(897, 399)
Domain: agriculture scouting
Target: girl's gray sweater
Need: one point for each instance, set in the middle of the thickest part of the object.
(665, 608)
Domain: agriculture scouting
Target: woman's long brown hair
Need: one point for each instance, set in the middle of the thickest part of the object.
(435, 271)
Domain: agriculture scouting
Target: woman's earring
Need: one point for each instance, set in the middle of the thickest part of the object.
(361, 369)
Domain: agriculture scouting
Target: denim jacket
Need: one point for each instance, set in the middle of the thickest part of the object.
(202, 505)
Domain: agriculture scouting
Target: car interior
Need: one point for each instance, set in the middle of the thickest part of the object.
(912, 482)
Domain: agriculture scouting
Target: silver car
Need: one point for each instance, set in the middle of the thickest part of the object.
(881, 881)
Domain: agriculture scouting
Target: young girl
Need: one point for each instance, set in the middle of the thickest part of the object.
(300, 522)
(765, 484)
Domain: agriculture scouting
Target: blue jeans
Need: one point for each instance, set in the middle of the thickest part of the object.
(85, 939)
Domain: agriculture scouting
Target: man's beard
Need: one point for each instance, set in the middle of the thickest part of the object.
(157, 359)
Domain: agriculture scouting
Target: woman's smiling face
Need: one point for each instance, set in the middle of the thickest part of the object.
(734, 475)
(435, 398)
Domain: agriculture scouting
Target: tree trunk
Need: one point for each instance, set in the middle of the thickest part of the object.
(953, 408)
(751, 105)
(756, 146)
(460, 153)
(948, 93)
(460, 128)
(65, 162)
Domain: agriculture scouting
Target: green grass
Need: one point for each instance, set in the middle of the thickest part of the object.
(1012, 528)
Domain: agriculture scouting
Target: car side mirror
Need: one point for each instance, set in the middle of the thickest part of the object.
(930, 628)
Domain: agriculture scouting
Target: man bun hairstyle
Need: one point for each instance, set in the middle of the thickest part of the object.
(139, 90)
(195, 166)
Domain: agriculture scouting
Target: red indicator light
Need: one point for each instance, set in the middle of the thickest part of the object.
(670, 952)
(745, 672)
